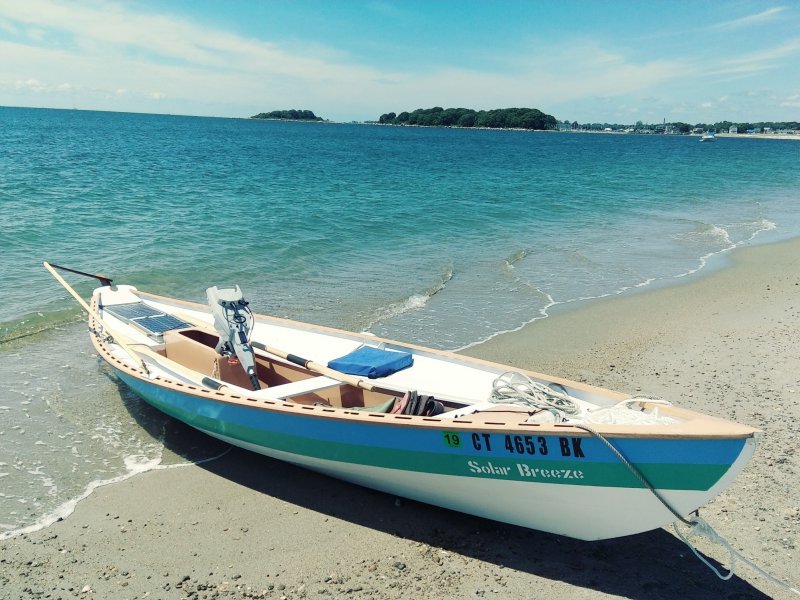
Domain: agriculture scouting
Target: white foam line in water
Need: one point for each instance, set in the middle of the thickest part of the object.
(543, 312)
(136, 465)
(703, 260)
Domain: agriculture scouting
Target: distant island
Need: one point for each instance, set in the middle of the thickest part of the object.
(500, 118)
(289, 115)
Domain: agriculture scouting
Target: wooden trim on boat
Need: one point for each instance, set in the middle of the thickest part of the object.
(695, 425)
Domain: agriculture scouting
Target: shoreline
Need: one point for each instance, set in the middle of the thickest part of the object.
(766, 136)
(725, 343)
(760, 136)
(632, 311)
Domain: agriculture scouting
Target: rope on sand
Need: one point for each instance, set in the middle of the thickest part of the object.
(697, 525)
(516, 388)
(700, 527)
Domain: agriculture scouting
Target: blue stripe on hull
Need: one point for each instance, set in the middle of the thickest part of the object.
(231, 419)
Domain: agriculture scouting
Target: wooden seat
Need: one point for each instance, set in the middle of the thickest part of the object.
(297, 388)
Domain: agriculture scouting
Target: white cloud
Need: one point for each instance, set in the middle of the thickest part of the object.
(791, 101)
(7, 27)
(33, 85)
(756, 63)
(35, 33)
(762, 17)
(118, 58)
(142, 52)
(110, 30)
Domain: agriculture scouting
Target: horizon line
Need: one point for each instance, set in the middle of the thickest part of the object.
(134, 112)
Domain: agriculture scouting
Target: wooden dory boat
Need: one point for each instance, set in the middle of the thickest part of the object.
(521, 448)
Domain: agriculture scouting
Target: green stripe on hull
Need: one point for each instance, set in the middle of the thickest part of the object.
(575, 472)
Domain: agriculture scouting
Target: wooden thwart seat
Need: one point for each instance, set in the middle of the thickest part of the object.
(280, 380)
(297, 388)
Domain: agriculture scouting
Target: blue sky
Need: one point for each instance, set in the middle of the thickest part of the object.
(590, 61)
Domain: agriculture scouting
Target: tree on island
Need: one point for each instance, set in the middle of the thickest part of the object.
(501, 118)
(289, 115)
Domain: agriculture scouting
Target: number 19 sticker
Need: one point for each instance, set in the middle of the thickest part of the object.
(451, 439)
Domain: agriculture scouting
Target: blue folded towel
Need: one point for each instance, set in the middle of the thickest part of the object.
(372, 362)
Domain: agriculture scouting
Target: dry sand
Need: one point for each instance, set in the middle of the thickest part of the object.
(245, 526)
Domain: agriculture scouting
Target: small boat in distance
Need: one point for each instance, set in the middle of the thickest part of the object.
(708, 136)
(473, 436)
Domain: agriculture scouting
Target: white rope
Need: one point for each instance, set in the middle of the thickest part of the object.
(626, 413)
(516, 388)
(700, 527)
(642, 400)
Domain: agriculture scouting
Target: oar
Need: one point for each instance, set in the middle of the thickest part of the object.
(124, 342)
(316, 367)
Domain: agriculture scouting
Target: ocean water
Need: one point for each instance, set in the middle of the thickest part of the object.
(435, 236)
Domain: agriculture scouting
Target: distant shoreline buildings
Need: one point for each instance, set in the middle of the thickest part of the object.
(786, 128)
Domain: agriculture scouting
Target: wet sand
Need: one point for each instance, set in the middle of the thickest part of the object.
(244, 526)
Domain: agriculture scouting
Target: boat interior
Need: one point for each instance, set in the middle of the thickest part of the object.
(192, 348)
(279, 379)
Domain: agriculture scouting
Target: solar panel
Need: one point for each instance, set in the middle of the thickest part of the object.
(134, 310)
(158, 324)
(145, 316)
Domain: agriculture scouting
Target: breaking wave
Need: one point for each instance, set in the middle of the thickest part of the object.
(748, 232)
(412, 302)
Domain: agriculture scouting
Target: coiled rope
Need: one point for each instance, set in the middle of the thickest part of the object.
(516, 388)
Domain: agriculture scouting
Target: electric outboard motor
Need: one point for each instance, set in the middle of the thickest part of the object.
(233, 320)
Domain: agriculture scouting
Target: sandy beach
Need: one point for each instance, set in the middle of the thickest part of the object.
(244, 526)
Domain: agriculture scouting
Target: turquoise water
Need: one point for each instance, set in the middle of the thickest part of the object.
(439, 236)
(436, 236)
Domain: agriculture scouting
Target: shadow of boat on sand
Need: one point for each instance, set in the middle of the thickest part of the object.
(650, 565)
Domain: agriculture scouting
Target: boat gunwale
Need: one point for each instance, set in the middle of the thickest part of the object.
(696, 427)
